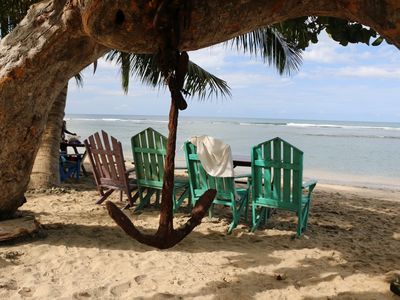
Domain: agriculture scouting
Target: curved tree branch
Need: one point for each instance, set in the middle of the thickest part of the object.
(163, 241)
(212, 22)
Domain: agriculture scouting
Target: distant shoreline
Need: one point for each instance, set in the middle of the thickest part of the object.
(335, 152)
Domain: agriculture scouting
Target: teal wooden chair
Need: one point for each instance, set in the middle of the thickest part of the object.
(277, 176)
(149, 151)
(227, 193)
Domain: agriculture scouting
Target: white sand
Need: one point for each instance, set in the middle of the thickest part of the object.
(352, 243)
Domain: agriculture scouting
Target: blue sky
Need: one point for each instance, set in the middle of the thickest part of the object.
(356, 83)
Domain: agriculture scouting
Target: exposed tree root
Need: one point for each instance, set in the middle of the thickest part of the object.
(163, 239)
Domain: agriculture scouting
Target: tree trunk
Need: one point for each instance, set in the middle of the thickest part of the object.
(36, 61)
(45, 171)
(58, 38)
(166, 236)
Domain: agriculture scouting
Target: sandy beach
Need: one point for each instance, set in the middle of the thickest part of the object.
(350, 251)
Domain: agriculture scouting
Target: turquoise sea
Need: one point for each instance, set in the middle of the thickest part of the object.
(336, 152)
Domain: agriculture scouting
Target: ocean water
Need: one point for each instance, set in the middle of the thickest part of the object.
(335, 152)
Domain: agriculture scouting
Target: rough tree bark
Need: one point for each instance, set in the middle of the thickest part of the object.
(36, 61)
(59, 37)
(45, 171)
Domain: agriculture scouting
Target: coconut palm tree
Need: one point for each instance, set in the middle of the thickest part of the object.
(45, 171)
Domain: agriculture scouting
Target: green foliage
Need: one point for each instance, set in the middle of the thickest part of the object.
(204, 84)
(266, 42)
(272, 46)
(301, 31)
(198, 82)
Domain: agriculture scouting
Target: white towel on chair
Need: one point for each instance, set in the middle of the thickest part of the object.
(215, 155)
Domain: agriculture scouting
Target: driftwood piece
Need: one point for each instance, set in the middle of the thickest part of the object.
(18, 227)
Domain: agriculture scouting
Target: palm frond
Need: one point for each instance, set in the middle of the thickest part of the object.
(204, 84)
(270, 44)
(198, 82)
(79, 80)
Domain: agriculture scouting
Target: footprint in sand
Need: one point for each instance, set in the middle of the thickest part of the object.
(9, 285)
(26, 292)
(140, 279)
(81, 295)
(120, 289)
(162, 296)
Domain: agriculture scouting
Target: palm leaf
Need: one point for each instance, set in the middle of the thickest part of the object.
(204, 84)
(198, 82)
(79, 80)
(270, 44)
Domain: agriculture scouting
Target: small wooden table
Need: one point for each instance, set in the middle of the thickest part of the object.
(75, 147)
(241, 161)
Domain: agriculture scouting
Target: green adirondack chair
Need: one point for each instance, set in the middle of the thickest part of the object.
(227, 193)
(277, 182)
(149, 151)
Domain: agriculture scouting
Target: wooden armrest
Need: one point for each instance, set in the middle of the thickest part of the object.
(309, 184)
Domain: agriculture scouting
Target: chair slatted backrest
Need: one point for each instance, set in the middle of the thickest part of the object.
(107, 160)
(149, 151)
(277, 174)
(200, 181)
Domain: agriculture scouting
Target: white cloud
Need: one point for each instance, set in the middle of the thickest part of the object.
(211, 57)
(324, 54)
(247, 79)
(327, 51)
(360, 71)
(369, 71)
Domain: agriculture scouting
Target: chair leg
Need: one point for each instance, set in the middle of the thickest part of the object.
(105, 196)
(246, 210)
(132, 200)
(61, 173)
(299, 225)
(140, 192)
(256, 217)
(144, 201)
(193, 200)
(78, 168)
(265, 214)
(306, 213)
(158, 194)
(210, 211)
(235, 217)
(178, 203)
(253, 217)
